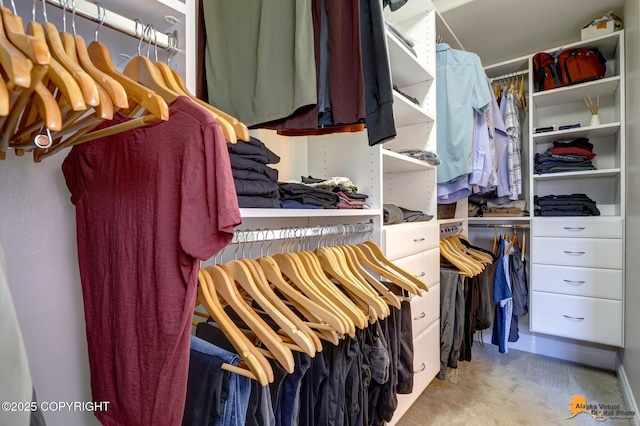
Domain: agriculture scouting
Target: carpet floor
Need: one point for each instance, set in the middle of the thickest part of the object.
(517, 388)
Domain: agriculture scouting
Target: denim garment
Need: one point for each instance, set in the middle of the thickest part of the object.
(207, 389)
(287, 411)
(235, 410)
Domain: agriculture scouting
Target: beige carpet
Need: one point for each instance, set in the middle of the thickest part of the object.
(517, 388)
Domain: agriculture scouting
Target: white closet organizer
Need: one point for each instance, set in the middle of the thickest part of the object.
(411, 183)
(577, 262)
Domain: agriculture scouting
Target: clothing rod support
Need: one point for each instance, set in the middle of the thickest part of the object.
(450, 229)
(89, 10)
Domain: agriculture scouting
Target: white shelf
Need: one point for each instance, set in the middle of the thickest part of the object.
(579, 175)
(603, 130)
(576, 93)
(406, 113)
(284, 213)
(406, 68)
(453, 220)
(409, 10)
(393, 162)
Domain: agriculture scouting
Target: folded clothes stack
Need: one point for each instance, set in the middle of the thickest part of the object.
(480, 206)
(395, 214)
(566, 156)
(256, 183)
(565, 205)
(299, 195)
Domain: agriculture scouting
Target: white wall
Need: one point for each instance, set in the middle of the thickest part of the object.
(37, 232)
(631, 354)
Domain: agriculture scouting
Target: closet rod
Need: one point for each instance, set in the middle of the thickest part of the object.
(248, 236)
(89, 10)
(500, 225)
(510, 75)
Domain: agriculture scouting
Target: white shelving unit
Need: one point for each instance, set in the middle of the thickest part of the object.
(577, 284)
(411, 183)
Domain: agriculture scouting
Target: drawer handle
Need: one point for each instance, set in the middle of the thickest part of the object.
(573, 318)
(422, 368)
(574, 253)
(421, 274)
(417, 240)
(574, 228)
(422, 315)
(574, 282)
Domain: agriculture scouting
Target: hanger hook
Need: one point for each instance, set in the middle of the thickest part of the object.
(173, 46)
(73, 16)
(273, 235)
(13, 6)
(238, 238)
(139, 22)
(102, 16)
(44, 10)
(155, 42)
(33, 11)
(64, 14)
(147, 32)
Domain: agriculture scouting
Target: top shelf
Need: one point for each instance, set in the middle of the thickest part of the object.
(406, 68)
(409, 10)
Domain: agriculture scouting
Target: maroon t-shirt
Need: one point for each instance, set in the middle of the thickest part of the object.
(150, 203)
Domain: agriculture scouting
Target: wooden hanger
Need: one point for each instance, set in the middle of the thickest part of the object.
(524, 241)
(4, 98)
(14, 63)
(354, 285)
(146, 97)
(355, 265)
(368, 260)
(481, 258)
(241, 132)
(351, 266)
(448, 253)
(376, 252)
(245, 276)
(256, 362)
(460, 250)
(228, 290)
(87, 84)
(298, 275)
(318, 317)
(76, 48)
(312, 264)
(304, 336)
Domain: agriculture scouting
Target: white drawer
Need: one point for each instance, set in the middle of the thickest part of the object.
(404, 239)
(426, 357)
(585, 252)
(578, 227)
(592, 282)
(576, 317)
(425, 309)
(424, 265)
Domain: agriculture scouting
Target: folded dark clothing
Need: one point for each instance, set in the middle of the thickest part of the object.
(414, 216)
(249, 175)
(561, 169)
(238, 162)
(576, 203)
(257, 187)
(392, 214)
(293, 204)
(420, 154)
(358, 196)
(573, 151)
(562, 213)
(567, 158)
(253, 147)
(577, 143)
(251, 201)
(410, 98)
(308, 195)
(309, 179)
